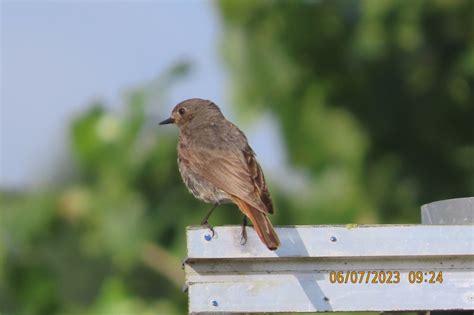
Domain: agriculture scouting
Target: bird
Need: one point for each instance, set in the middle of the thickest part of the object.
(218, 166)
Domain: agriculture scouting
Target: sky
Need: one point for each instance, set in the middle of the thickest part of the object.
(57, 57)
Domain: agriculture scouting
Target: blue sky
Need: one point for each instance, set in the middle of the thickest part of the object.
(56, 57)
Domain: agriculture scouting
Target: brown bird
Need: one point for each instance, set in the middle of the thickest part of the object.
(218, 166)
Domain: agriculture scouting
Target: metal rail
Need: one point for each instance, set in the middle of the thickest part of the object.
(332, 268)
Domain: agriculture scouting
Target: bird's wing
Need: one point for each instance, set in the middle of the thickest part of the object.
(258, 178)
(236, 173)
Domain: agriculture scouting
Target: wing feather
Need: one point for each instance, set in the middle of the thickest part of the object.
(235, 172)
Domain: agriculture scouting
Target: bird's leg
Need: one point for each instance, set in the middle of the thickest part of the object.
(243, 238)
(204, 221)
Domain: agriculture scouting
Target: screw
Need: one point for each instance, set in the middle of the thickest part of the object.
(214, 303)
(333, 239)
(208, 237)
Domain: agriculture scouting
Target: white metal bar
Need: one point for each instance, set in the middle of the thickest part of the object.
(313, 293)
(225, 277)
(336, 241)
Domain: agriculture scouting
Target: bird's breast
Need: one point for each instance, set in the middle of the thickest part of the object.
(199, 186)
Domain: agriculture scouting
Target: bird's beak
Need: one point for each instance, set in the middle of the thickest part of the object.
(167, 121)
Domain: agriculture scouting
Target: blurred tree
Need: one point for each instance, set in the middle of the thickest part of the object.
(375, 104)
(108, 239)
(374, 98)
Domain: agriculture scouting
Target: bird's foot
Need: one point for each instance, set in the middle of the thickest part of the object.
(209, 226)
(243, 238)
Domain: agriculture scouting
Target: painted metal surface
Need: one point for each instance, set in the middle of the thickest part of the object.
(451, 211)
(336, 241)
(224, 276)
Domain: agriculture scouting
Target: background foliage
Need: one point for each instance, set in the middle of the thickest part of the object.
(374, 101)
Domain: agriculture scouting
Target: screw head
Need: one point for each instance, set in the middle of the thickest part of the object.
(333, 239)
(214, 303)
(208, 237)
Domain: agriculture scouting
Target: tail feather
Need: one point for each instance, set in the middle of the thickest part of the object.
(261, 224)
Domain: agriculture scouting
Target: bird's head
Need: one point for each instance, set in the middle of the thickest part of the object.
(194, 110)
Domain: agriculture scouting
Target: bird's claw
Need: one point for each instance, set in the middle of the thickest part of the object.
(210, 227)
(243, 238)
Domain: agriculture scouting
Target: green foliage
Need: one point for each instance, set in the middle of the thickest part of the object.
(374, 98)
(108, 239)
(374, 102)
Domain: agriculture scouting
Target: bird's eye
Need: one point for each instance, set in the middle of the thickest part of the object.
(181, 111)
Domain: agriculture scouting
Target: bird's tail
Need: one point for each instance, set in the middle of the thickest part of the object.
(261, 224)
